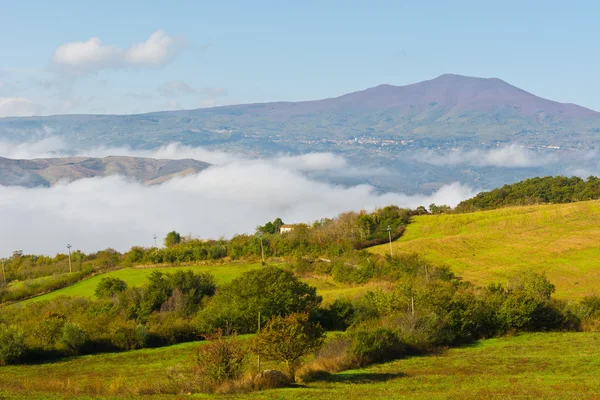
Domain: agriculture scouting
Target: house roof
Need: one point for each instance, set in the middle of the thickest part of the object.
(286, 226)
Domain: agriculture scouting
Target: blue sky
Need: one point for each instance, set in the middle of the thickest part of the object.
(159, 55)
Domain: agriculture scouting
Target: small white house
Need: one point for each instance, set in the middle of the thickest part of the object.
(286, 228)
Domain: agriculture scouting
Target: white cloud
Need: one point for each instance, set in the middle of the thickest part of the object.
(512, 156)
(46, 147)
(157, 50)
(223, 200)
(92, 55)
(18, 107)
(233, 196)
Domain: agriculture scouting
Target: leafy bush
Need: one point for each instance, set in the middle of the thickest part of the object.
(375, 345)
(270, 291)
(74, 338)
(12, 344)
(338, 316)
(288, 339)
(220, 360)
(108, 287)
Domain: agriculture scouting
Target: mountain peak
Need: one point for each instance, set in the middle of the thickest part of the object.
(459, 93)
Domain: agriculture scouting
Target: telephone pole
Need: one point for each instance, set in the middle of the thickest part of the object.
(70, 268)
(262, 249)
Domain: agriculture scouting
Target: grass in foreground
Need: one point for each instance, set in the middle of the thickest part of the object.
(540, 365)
(562, 240)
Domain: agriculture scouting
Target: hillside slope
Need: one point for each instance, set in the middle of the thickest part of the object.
(453, 109)
(561, 240)
(48, 171)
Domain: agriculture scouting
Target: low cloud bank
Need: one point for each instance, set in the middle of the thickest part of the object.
(92, 214)
(511, 156)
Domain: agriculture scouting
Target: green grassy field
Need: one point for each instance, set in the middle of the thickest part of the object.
(562, 240)
(138, 276)
(540, 365)
(326, 286)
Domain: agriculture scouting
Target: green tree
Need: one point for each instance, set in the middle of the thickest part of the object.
(172, 239)
(289, 339)
(270, 291)
(12, 344)
(108, 287)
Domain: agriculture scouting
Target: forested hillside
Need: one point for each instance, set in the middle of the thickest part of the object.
(549, 189)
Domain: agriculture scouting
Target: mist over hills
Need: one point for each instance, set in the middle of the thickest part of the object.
(386, 127)
(48, 171)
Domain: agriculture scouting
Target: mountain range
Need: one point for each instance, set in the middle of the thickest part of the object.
(446, 111)
(48, 171)
(383, 127)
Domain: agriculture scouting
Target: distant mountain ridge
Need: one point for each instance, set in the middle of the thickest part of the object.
(448, 111)
(48, 171)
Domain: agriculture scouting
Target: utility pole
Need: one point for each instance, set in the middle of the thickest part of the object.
(70, 268)
(262, 249)
(389, 229)
(3, 271)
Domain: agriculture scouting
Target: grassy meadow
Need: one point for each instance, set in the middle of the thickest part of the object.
(535, 365)
(138, 276)
(223, 273)
(561, 240)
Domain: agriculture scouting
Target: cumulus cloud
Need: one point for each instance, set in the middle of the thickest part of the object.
(18, 107)
(92, 55)
(221, 201)
(512, 156)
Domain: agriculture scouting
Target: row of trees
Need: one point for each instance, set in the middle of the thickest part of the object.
(427, 307)
(327, 237)
(549, 189)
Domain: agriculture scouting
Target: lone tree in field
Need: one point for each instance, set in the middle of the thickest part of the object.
(172, 239)
(288, 339)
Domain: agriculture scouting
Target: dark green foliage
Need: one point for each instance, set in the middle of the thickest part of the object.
(271, 291)
(74, 338)
(375, 345)
(180, 292)
(549, 189)
(338, 316)
(12, 344)
(172, 239)
(108, 287)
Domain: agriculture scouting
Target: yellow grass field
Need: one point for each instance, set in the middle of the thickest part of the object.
(561, 240)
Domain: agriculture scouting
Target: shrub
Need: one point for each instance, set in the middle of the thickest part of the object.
(130, 336)
(288, 339)
(270, 291)
(338, 316)
(375, 345)
(12, 344)
(74, 338)
(108, 287)
(221, 359)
